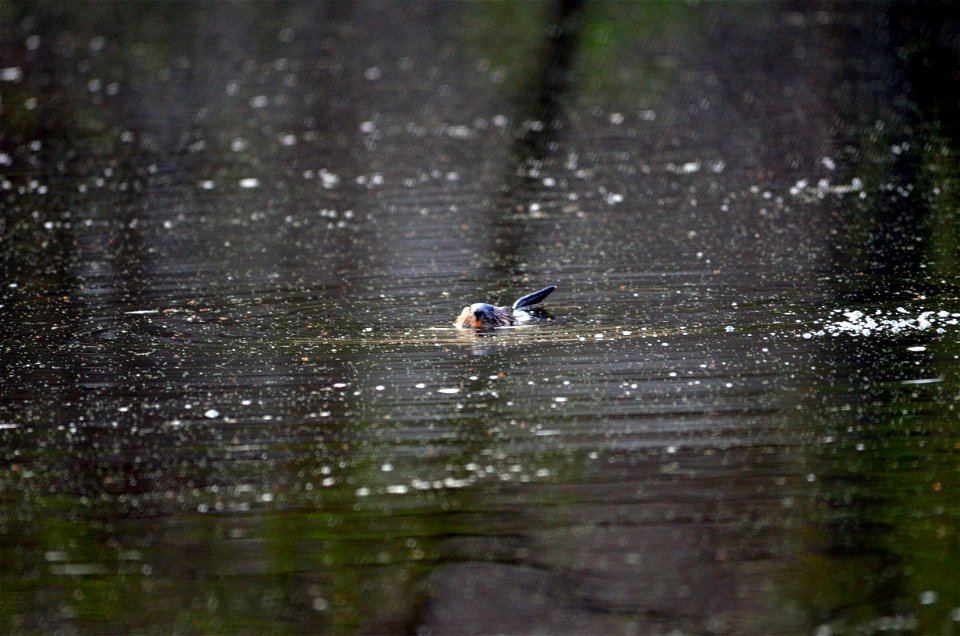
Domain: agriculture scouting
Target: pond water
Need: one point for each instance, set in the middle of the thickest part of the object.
(234, 238)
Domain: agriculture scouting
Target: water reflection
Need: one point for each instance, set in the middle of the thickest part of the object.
(234, 238)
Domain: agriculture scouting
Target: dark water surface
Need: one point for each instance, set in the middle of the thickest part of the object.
(234, 237)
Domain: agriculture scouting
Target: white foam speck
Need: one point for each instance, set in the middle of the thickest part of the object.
(11, 74)
(923, 381)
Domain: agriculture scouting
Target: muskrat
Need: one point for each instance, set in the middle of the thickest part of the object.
(486, 316)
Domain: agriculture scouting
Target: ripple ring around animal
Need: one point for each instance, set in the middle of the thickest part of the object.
(483, 316)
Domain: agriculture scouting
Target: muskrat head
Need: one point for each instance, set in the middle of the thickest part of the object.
(483, 316)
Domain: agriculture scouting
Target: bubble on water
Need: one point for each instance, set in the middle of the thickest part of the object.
(398, 489)
(250, 182)
(373, 73)
(459, 132)
(328, 179)
(560, 399)
(367, 127)
(928, 597)
(11, 74)
(211, 414)
(260, 101)
(449, 390)
(616, 118)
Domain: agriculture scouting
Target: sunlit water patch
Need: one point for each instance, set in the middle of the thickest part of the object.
(855, 322)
